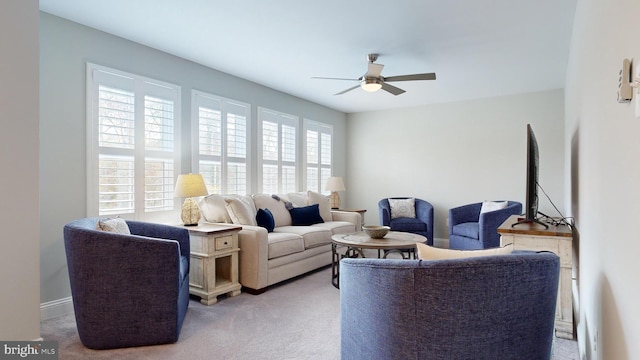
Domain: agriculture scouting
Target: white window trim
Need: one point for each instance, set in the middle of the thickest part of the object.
(93, 151)
(282, 119)
(320, 127)
(195, 133)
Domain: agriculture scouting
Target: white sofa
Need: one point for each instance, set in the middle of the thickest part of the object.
(267, 258)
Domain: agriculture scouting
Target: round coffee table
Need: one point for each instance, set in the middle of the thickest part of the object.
(394, 242)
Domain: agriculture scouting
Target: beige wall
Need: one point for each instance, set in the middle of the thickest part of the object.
(603, 171)
(455, 153)
(20, 224)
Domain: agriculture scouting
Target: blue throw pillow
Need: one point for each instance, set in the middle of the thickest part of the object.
(306, 215)
(264, 218)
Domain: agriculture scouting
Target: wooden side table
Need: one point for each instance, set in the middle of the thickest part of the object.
(559, 240)
(214, 261)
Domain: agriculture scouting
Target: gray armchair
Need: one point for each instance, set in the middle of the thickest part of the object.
(471, 230)
(128, 290)
(490, 307)
(422, 224)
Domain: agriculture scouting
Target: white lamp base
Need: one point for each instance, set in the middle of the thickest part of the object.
(190, 212)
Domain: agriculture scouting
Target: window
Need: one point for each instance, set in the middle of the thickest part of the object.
(221, 142)
(318, 146)
(133, 148)
(277, 152)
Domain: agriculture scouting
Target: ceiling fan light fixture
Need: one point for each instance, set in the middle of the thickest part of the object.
(371, 84)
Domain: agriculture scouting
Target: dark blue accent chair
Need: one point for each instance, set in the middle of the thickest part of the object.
(422, 224)
(482, 308)
(470, 230)
(128, 290)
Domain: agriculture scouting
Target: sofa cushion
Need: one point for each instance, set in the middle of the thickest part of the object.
(313, 235)
(264, 218)
(468, 229)
(402, 208)
(281, 244)
(337, 227)
(306, 215)
(214, 209)
(426, 252)
(324, 204)
(241, 210)
(280, 213)
(116, 225)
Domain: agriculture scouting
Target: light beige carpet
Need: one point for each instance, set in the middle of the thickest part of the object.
(299, 319)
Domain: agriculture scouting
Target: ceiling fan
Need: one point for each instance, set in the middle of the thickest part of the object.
(372, 80)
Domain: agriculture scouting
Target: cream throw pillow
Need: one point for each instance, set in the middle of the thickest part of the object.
(281, 215)
(298, 199)
(117, 225)
(426, 252)
(323, 204)
(488, 206)
(402, 208)
(214, 209)
(241, 210)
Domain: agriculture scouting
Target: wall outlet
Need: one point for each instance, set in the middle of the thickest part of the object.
(595, 341)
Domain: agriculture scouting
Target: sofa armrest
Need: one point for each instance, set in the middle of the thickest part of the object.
(254, 256)
(349, 216)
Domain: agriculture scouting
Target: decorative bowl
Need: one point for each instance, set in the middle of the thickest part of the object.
(375, 231)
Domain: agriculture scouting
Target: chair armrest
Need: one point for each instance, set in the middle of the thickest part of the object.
(161, 231)
(464, 213)
(424, 212)
(489, 223)
(349, 216)
(384, 212)
(253, 257)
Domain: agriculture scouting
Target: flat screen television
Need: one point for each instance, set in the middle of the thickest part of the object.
(531, 206)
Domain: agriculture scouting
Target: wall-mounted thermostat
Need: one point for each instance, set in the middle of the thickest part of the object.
(625, 91)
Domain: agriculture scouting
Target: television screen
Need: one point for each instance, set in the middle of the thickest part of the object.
(531, 212)
(531, 206)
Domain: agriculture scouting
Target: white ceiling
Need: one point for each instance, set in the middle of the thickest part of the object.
(477, 48)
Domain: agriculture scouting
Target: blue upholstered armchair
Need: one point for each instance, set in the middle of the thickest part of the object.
(422, 224)
(470, 229)
(484, 308)
(128, 290)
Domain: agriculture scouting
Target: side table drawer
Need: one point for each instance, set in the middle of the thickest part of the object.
(224, 242)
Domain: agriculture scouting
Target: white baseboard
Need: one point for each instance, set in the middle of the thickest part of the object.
(55, 308)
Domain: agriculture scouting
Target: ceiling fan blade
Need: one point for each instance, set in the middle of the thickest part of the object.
(392, 89)
(349, 89)
(374, 70)
(331, 78)
(426, 76)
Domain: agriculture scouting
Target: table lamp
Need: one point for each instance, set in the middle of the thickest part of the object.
(188, 186)
(335, 184)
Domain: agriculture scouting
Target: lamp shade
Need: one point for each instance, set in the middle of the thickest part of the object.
(189, 185)
(335, 183)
